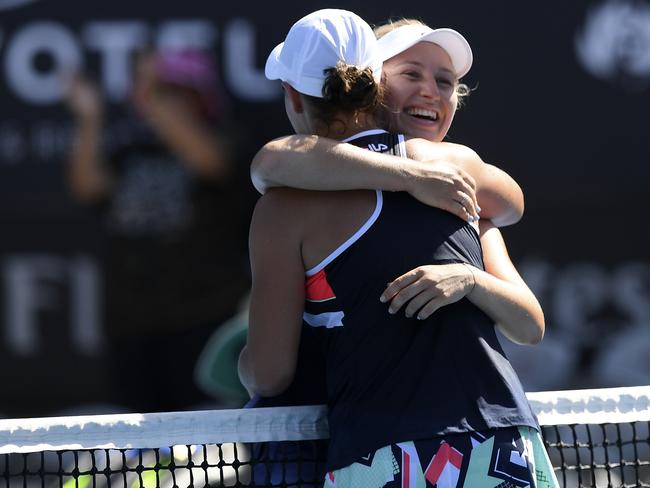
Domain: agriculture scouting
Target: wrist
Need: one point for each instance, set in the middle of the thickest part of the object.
(471, 278)
(408, 176)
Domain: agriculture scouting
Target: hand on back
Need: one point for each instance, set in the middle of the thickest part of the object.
(448, 187)
(425, 289)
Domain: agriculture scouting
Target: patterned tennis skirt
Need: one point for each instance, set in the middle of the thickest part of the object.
(499, 458)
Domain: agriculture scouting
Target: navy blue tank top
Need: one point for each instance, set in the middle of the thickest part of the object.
(390, 378)
(309, 384)
(386, 378)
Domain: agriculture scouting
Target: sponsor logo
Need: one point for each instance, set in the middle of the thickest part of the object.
(378, 147)
(614, 42)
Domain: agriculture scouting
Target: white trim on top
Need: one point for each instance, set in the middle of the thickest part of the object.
(370, 132)
(402, 145)
(355, 237)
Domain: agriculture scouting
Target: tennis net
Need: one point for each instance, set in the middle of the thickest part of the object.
(595, 438)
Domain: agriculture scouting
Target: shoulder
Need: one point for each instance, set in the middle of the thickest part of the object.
(422, 149)
(289, 210)
(279, 205)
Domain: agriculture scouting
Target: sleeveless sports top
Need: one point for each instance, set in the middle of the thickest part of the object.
(308, 386)
(391, 378)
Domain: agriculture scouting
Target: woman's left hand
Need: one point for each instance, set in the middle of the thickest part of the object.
(427, 288)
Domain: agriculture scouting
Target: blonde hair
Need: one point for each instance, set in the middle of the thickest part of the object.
(462, 90)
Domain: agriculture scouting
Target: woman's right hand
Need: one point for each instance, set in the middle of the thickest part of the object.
(425, 289)
(445, 186)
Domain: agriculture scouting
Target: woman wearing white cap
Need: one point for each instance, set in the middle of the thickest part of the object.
(410, 402)
(421, 74)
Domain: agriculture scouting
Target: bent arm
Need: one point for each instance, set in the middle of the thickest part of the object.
(500, 197)
(499, 291)
(310, 162)
(317, 163)
(189, 138)
(267, 363)
(88, 177)
(503, 295)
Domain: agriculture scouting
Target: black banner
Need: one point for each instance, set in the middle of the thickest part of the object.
(560, 101)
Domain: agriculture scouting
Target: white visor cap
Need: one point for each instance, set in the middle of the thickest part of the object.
(406, 36)
(318, 42)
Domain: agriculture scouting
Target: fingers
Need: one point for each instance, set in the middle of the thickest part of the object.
(434, 304)
(466, 195)
(459, 206)
(407, 294)
(464, 203)
(424, 290)
(422, 302)
(467, 206)
(399, 283)
(418, 301)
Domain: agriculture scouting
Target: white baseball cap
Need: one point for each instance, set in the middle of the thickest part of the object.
(318, 42)
(406, 36)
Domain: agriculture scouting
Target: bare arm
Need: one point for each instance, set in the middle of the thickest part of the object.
(188, 137)
(267, 364)
(502, 293)
(499, 291)
(175, 119)
(500, 197)
(316, 163)
(88, 177)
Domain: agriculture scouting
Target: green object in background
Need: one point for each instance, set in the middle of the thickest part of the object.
(216, 369)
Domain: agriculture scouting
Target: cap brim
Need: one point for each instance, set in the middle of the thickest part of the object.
(273, 70)
(407, 36)
(456, 46)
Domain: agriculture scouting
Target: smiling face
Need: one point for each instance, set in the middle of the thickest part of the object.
(421, 94)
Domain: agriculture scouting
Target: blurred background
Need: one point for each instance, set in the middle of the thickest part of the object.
(114, 276)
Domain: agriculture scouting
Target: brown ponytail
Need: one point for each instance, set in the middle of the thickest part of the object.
(351, 88)
(348, 90)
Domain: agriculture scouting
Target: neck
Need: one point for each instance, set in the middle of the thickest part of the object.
(345, 127)
(361, 123)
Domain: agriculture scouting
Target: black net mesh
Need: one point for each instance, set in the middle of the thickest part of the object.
(600, 455)
(273, 464)
(594, 438)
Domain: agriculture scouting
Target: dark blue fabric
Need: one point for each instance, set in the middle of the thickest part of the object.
(309, 386)
(394, 379)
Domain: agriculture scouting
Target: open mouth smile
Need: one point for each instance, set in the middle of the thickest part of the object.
(423, 114)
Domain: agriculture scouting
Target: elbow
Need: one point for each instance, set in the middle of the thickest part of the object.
(269, 383)
(266, 379)
(502, 209)
(535, 336)
(533, 331)
(515, 210)
(538, 327)
(525, 331)
(510, 210)
(518, 206)
(262, 166)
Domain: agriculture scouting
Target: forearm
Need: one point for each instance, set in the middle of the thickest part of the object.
(512, 306)
(87, 176)
(316, 163)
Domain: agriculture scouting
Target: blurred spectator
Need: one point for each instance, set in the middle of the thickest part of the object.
(175, 261)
